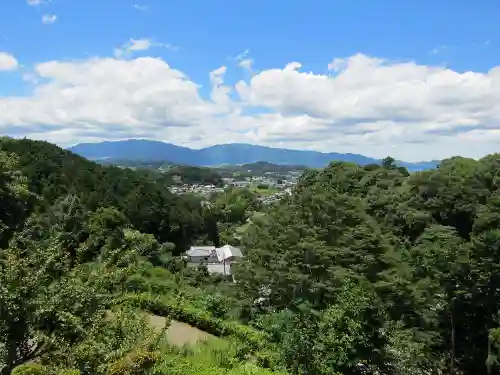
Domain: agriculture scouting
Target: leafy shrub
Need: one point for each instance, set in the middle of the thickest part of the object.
(38, 369)
(171, 263)
(217, 305)
(205, 362)
(108, 342)
(269, 358)
(134, 363)
(189, 314)
(275, 324)
(69, 372)
(30, 369)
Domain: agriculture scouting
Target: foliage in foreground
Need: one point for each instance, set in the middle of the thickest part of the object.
(61, 271)
(125, 345)
(362, 270)
(426, 246)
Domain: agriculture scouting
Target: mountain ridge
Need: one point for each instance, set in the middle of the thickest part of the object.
(220, 154)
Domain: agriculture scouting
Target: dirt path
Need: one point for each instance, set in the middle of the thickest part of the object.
(179, 333)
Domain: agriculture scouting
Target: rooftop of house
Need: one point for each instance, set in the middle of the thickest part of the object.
(222, 253)
(228, 251)
(200, 251)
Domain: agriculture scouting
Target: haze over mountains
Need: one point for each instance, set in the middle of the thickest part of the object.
(235, 153)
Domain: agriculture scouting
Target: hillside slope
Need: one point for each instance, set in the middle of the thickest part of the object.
(142, 195)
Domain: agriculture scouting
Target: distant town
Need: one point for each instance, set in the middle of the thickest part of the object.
(270, 187)
(270, 182)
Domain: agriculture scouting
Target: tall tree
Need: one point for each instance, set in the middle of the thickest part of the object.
(14, 196)
(309, 244)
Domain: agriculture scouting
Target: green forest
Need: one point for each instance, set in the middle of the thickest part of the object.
(174, 174)
(361, 270)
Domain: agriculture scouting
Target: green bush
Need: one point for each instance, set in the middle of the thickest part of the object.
(189, 314)
(123, 334)
(269, 358)
(37, 369)
(205, 363)
(134, 363)
(30, 369)
(69, 372)
(216, 305)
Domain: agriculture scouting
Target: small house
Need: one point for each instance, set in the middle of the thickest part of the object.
(218, 260)
(201, 254)
(228, 254)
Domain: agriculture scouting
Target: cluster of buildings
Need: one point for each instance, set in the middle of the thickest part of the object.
(271, 179)
(218, 260)
(281, 183)
(203, 190)
(284, 186)
(273, 198)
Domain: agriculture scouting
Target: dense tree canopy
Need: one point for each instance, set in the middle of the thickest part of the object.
(361, 270)
(427, 244)
(141, 196)
(174, 174)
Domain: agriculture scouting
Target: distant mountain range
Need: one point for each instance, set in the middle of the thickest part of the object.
(226, 154)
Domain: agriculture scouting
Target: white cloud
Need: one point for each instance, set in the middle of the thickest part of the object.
(7, 62)
(246, 64)
(244, 61)
(220, 92)
(365, 105)
(217, 75)
(135, 45)
(87, 99)
(48, 19)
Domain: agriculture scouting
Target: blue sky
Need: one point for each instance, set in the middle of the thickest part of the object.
(67, 53)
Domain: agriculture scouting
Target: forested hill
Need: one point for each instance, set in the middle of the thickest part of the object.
(362, 270)
(393, 267)
(142, 196)
(173, 174)
(204, 175)
(262, 167)
(225, 154)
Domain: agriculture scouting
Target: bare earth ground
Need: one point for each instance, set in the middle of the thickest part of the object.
(178, 333)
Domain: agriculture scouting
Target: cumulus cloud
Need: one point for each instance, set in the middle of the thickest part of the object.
(90, 99)
(48, 19)
(366, 105)
(7, 62)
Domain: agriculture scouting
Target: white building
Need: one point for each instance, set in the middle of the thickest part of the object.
(201, 254)
(228, 253)
(217, 260)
